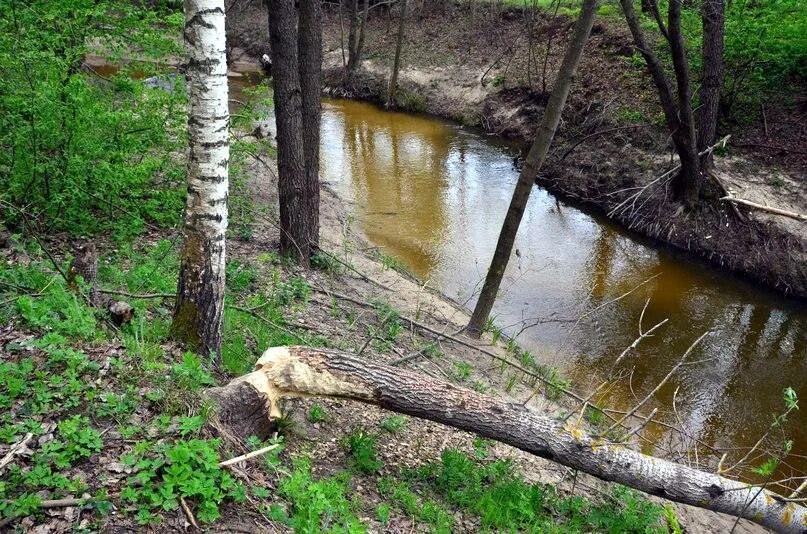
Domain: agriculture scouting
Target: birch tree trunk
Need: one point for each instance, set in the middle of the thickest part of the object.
(393, 80)
(200, 290)
(532, 165)
(248, 405)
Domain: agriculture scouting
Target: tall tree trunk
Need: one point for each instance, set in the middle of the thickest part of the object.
(362, 30)
(249, 404)
(200, 289)
(310, 57)
(393, 80)
(351, 36)
(296, 219)
(679, 121)
(712, 14)
(342, 33)
(533, 163)
(689, 180)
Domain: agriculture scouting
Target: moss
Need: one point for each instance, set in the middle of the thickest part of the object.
(184, 327)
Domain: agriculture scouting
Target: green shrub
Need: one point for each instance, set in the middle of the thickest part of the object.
(317, 505)
(362, 448)
(88, 152)
(189, 470)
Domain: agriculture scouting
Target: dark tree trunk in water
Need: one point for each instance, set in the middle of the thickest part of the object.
(535, 159)
(200, 288)
(712, 14)
(296, 218)
(310, 69)
(249, 404)
(393, 80)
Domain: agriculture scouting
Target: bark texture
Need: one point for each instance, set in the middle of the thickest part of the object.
(296, 218)
(679, 116)
(712, 14)
(393, 80)
(309, 41)
(689, 180)
(293, 372)
(532, 165)
(355, 40)
(200, 290)
(351, 35)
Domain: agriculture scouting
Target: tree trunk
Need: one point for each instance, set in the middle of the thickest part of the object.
(679, 120)
(249, 404)
(362, 31)
(351, 37)
(310, 69)
(689, 180)
(200, 289)
(533, 163)
(393, 80)
(296, 218)
(712, 14)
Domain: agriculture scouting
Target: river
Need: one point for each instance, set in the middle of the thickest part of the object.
(433, 195)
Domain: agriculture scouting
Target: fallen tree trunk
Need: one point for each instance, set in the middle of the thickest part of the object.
(248, 405)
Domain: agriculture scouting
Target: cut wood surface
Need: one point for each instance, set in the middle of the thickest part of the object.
(249, 403)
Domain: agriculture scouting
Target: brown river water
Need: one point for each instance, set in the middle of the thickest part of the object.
(433, 195)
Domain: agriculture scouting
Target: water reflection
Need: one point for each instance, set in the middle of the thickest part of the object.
(434, 196)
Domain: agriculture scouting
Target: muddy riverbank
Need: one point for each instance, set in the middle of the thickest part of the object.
(609, 146)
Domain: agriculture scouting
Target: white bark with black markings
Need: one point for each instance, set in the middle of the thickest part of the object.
(248, 405)
(200, 291)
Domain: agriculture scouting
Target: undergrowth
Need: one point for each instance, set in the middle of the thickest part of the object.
(90, 393)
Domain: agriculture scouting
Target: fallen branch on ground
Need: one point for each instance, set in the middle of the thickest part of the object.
(248, 455)
(762, 207)
(18, 448)
(249, 405)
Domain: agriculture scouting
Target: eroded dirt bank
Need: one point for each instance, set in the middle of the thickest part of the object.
(484, 72)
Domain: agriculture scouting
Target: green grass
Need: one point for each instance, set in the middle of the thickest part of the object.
(316, 505)
(362, 448)
(504, 502)
(394, 423)
(317, 414)
(462, 371)
(52, 378)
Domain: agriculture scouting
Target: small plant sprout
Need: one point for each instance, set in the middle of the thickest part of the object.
(394, 423)
(317, 414)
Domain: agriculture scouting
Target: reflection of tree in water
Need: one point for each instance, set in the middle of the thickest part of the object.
(400, 189)
(398, 165)
(729, 398)
(767, 362)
